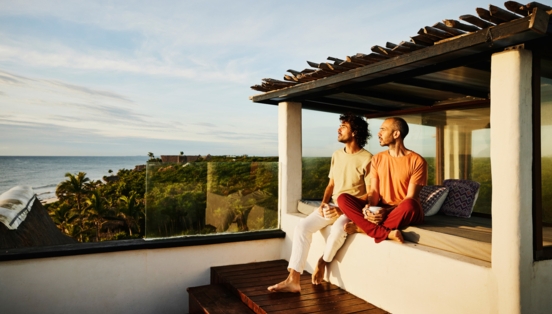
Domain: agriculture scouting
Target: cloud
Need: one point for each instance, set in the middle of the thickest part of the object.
(89, 91)
(7, 79)
(205, 124)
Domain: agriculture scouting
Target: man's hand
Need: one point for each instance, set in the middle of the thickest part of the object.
(329, 212)
(321, 208)
(375, 218)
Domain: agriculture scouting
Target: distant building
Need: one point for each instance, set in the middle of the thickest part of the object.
(182, 158)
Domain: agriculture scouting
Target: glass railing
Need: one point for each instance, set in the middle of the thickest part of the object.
(315, 176)
(210, 197)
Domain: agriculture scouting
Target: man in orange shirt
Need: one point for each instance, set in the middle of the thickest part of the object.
(397, 176)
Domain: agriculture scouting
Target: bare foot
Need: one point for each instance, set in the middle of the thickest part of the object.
(395, 235)
(351, 228)
(291, 284)
(319, 270)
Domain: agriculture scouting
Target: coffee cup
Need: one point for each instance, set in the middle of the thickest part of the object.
(374, 209)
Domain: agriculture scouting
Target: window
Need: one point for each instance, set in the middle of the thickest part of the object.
(455, 144)
(546, 151)
(210, 197)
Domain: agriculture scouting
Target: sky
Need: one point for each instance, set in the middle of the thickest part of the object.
(124, 78)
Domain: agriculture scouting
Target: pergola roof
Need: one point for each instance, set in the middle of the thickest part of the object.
(447, 63)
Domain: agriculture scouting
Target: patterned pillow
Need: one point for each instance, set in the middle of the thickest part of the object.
(461, 198)
(432, 197)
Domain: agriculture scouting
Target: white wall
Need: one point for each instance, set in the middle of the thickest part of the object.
(408, 278)
(141, 281)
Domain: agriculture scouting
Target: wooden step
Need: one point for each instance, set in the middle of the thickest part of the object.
(249, 283)
(215, 299)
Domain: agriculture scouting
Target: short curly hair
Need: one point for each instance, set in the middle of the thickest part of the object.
(359, 127)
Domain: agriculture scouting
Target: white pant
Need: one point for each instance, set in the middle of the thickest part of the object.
(303, 237)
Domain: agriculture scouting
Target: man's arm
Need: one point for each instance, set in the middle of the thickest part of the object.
(413, 191)
(373, 197)
(328, 192)
(373, 193)
(326, 199)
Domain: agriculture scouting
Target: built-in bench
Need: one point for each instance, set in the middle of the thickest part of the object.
(465, 236)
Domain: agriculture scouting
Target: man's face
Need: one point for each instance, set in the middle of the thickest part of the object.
(386, 134)
(344, 133)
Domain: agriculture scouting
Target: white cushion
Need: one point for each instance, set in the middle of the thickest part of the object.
(15, 204)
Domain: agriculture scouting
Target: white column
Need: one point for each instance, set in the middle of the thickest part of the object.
(511, 158)
(290, 154)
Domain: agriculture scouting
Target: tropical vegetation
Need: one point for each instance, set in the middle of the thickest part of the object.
(221, 194)
(95, 211)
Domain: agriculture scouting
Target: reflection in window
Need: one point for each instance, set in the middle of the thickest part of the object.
(210, 197)
(546, 153)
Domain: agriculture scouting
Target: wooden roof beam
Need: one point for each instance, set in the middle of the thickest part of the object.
(486, 15)
(386, 51)
(335, 59)
(412, 46)
(516, 7)
(350, 65)
(348, 105)
(459, 25)
(423, 40)
(433, 31)
(502, 14)
(395, 97)
(532, 5)
(358, 60)
(450, 30)
(445, 87)
(476, 21)
(417, 62)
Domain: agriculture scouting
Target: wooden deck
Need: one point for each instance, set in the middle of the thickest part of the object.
(248, 283)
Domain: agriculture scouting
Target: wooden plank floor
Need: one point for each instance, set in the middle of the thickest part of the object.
(249, 283)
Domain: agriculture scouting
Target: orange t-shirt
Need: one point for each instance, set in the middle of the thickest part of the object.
(396, 173)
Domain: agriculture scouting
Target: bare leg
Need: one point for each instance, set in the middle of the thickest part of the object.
(395, 235)
(319, 270)
(351, 228)
(291, 284)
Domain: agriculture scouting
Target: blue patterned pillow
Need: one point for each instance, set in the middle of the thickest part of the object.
(432, 197)
(461, 198)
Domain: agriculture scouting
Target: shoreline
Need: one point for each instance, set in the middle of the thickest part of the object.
(48, 200)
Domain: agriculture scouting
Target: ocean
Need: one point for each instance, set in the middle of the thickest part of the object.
(43, 174)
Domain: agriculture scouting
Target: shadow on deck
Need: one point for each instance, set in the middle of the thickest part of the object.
(242, 289)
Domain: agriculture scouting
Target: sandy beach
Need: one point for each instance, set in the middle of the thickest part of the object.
(49, 200)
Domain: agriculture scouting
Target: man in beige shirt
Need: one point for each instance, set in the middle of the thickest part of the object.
(348, 174)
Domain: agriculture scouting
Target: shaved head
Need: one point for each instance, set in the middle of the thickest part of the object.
(400, 125)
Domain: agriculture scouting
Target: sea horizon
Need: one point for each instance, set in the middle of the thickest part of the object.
(44, 173)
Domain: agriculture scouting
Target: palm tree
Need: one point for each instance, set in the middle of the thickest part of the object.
(130, 211)
(75, 186)
(95, 211)
(60, 216)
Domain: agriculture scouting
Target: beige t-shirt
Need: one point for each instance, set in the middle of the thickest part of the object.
(350, 173)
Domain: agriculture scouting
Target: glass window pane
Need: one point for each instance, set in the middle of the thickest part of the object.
(546, 152)
(210, 197)
(455, 144)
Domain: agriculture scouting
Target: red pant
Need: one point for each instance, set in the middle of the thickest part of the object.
(408, 212)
